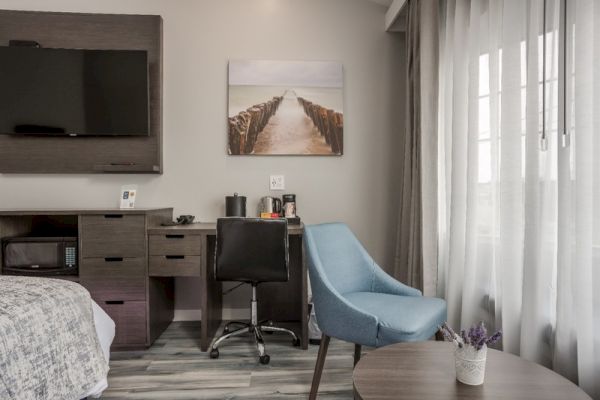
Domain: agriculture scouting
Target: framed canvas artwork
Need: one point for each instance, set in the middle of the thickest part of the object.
(285, 108)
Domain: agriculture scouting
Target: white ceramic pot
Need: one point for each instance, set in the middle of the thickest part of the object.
(470, 364)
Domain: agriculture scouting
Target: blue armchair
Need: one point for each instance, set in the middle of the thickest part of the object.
(356, 301)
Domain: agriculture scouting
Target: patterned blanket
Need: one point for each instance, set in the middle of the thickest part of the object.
(49, 348)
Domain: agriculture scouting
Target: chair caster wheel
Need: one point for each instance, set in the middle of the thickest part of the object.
(265, 359)
(296, 342)
(214, 353)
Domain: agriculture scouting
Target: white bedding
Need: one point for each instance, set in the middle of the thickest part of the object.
(105, 328)
(51, 335)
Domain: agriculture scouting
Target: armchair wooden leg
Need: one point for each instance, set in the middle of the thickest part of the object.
(357, 351)
(314, 389)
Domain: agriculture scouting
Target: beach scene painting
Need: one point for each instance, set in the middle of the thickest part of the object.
(285, 108)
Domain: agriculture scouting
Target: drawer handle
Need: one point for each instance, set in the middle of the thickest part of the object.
(115, 302)
(113, 259)
(174, 236)
(174, 257)
(113, 215)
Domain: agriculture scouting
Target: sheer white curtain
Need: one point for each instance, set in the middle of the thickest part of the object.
(518, 212)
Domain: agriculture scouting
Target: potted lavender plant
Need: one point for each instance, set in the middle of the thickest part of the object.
(471, 351)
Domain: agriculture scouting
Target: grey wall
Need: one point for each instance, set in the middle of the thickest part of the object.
(200, 36)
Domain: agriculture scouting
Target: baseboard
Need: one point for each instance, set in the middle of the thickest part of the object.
(187, 315)
(236, 313)
(196, 315)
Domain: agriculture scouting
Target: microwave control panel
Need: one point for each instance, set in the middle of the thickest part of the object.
(70, 256)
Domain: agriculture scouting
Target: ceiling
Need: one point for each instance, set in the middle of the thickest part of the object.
(382, 2)
(395, 16)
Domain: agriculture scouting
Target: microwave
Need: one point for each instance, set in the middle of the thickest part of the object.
(39, 256)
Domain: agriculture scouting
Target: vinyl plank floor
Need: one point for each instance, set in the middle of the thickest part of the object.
(174, 368)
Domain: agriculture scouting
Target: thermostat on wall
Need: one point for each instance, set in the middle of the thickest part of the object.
(128, 196)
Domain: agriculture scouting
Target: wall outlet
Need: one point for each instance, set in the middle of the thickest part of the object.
(277, 182)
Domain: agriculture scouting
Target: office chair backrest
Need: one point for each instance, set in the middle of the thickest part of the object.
(252, 250)
(340, 257)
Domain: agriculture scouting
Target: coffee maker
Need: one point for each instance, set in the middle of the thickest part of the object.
(289, 206)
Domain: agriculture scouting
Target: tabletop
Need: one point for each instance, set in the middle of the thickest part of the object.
(425, 370)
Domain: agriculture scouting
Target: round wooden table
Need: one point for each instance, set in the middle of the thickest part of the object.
(425, 370)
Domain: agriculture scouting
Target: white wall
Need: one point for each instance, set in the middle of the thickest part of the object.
(200, 36)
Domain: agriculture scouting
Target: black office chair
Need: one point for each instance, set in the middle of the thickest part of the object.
(252, 250)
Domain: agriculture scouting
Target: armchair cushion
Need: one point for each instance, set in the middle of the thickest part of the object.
(401, 318)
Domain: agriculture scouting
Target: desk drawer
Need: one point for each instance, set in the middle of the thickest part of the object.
(114, 278)
(174, 265)
(113, 235)
(130, 321)
(174, 244)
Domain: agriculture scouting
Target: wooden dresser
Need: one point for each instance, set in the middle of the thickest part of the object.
(129, 263)
(113, 264)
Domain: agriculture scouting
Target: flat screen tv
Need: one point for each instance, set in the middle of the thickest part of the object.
(71, 92)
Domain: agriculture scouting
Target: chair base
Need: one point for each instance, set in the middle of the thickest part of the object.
(255, 328)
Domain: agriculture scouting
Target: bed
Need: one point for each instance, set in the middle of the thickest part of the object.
(54, 340)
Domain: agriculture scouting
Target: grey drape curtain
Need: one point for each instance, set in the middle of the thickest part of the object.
(409, 261)
(416, 245)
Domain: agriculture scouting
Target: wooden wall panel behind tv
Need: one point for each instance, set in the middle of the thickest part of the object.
(88, 154)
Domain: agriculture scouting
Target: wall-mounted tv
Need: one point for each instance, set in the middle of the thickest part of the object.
(73, 92)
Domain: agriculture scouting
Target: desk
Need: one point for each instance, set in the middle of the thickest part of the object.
(128, 262)
(189, 250)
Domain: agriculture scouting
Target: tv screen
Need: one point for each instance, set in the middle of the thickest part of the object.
(73, 92)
